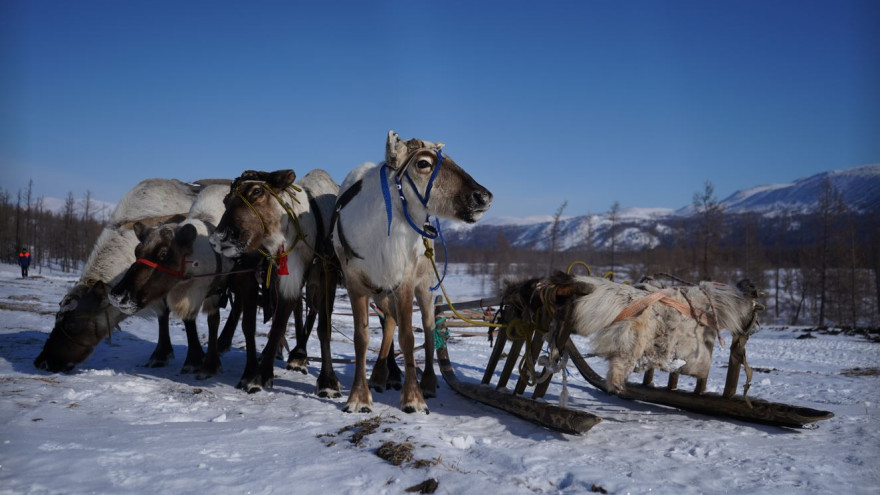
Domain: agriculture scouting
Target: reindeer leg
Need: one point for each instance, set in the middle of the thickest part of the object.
(299, 356)
(164, 351)
(279, 326)
(211, 363)
(429, 378)
(379, 378)
(360, 399)
(224, 343)
(194, 353)
(411, 399)
(250, 377)
(395, 374)
(328, 383)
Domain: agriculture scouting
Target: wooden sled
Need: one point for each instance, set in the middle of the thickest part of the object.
(551, 416)
(726, 405)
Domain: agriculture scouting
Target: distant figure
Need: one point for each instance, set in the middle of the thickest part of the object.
(24, 260)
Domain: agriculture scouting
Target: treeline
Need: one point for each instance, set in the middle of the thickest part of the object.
(61, 239)
(818, 268)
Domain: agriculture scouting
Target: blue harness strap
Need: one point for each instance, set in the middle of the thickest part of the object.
(387, 194)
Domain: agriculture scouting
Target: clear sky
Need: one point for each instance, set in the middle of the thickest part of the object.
(592, 102)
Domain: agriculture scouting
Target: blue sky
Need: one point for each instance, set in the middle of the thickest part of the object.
(590, 101)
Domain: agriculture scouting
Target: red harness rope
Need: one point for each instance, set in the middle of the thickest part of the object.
(176, 273)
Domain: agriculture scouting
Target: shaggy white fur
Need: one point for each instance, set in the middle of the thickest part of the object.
(660, 336)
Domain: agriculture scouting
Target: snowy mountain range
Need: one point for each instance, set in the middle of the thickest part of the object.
(639, 228)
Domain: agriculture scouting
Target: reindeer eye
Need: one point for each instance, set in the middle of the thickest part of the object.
(424, 164)
(256, 192)
(162, 254)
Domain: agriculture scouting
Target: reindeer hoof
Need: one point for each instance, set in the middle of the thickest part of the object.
(188, 368)
(298, 366)
(158, 362)
(412, 409)
(329, 394)
(357, 407)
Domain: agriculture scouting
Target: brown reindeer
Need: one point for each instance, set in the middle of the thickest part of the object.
(85, 316)
(267, 214)
(176, 263)
(380, 247)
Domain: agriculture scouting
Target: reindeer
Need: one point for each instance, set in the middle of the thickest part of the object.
(176, 263)
(673, 329)
(86, 317)
(265, 214)
(380, 246)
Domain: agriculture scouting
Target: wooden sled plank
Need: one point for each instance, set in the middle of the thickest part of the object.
(760, 411)
(480, 303)
(550, 416)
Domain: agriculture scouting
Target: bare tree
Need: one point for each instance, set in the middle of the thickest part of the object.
(591, 232)
(711, 214)
(830, 207)
(613, 215)
(67, 250)
(554, 233)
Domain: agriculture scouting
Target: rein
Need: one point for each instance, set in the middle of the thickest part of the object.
(177, 273)
(195, 263)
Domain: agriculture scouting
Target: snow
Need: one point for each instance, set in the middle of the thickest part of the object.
(114, 426)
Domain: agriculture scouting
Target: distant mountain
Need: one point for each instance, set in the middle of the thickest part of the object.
(860, 187)
(639, 228)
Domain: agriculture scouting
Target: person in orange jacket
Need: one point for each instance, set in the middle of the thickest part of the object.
(24, 260)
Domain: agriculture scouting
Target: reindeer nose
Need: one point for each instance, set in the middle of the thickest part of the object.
(481, 197)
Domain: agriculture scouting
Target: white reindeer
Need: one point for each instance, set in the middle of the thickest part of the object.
(673, 329)
(381, 220)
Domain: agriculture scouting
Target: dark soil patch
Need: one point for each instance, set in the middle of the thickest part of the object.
(396, 453)
(861, 372)
(428, 486)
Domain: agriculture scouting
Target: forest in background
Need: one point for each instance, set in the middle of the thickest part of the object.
(62, 239)
(819, 268)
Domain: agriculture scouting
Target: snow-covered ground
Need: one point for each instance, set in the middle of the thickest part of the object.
(114, 426)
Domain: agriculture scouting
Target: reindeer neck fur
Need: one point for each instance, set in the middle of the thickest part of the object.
(388, 260)
(316, 184)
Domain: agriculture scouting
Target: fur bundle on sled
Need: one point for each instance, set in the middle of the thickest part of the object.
(638, 327)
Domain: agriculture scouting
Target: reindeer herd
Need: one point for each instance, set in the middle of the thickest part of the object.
(267, 241)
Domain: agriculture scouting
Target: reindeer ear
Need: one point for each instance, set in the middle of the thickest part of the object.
(185, 236)
(281, 179)
(140, 231)
(393, 150)
(439, 146)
